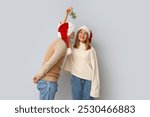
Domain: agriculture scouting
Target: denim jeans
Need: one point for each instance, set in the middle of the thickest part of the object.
(80, 88)
(47, 89)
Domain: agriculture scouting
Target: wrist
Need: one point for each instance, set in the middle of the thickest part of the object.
(39, 76)
(66, 14)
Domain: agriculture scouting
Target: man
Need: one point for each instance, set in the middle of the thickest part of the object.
(49, 73)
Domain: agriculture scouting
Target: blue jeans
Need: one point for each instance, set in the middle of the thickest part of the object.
(80, 88)
(47, 89)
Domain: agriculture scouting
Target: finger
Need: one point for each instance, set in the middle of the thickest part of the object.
(35, 81)
(70, 7)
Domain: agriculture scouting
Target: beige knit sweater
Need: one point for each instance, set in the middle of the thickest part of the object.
(83, 64)
(53, 61)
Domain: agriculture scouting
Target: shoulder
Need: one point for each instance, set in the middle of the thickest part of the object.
(92, 49)
(53, 43)
(51, 46)
(92, 52)
(60, 43)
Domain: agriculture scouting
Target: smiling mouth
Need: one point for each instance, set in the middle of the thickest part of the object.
(82, 38)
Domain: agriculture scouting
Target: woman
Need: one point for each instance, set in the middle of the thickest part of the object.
(83, 66)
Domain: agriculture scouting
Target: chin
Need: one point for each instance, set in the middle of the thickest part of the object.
(82, 41)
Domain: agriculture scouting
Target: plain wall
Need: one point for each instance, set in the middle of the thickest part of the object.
(121, 30)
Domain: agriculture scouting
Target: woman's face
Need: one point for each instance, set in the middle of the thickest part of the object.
(82, 36)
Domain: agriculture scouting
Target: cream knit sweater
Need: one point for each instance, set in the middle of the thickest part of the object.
(83, 64)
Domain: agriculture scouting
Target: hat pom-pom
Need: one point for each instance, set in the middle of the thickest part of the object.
(69, 51)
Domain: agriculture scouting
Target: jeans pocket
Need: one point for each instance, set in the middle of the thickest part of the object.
(41, 84)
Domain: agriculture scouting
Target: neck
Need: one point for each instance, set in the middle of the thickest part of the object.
(82, 45)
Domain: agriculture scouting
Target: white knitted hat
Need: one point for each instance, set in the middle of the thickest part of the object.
(85, 28)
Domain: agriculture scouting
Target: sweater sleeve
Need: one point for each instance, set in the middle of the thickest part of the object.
(95, 85)
(67, 65)
(59, 51)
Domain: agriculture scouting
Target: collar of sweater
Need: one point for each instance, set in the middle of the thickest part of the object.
(82, 46)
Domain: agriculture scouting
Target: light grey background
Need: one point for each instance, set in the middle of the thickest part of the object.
(121, 30)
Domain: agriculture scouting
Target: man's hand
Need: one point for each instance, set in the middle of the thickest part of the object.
(36, 78)
(69, 10)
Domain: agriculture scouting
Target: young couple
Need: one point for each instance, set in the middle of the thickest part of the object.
(81, 62)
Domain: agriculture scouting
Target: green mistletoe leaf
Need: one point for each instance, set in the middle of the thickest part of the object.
(73, 15)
